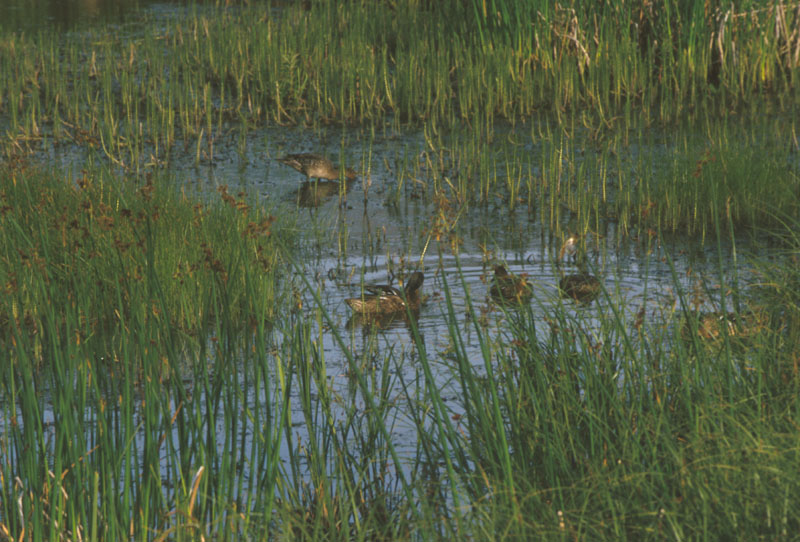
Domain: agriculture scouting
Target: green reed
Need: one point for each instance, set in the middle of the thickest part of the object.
(571, 422)
(115, 236)
(361, 62)
(156, 331)
(130, 436)
(116, 297)
(136, 98)
(612, 429)
(643, 179)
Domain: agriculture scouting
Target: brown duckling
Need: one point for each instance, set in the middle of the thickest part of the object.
(510, 288)
(387, 299)
(316, 166)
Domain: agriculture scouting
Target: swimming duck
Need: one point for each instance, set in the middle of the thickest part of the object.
(509, 288)
(387, 299)
(583, 287)
(316, 166)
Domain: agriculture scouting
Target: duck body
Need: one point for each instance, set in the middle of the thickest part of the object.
(315, 166)
(582, 287)
(383, 300)
(509, 288)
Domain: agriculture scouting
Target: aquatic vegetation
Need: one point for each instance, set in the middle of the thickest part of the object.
(184, 77)
(128, 251)
(586, 406)
(549, 71)
(172, 368)
(711, 326)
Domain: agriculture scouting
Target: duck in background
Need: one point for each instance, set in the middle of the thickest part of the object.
(509, 288)
(315, 166)
(582, 286)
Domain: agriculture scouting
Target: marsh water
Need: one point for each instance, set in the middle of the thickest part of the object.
(383, 225)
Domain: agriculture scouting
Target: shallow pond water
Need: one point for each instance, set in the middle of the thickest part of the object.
(381, 226)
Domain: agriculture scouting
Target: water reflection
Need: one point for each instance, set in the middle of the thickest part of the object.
(314, 193)
(370, 322)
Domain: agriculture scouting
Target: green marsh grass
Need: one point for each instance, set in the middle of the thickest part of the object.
(114, 293)
(587, 425)
(189, 76)
(156, 361)
(187, 82)
(574, 422)
(140, 250)
(741, 171)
